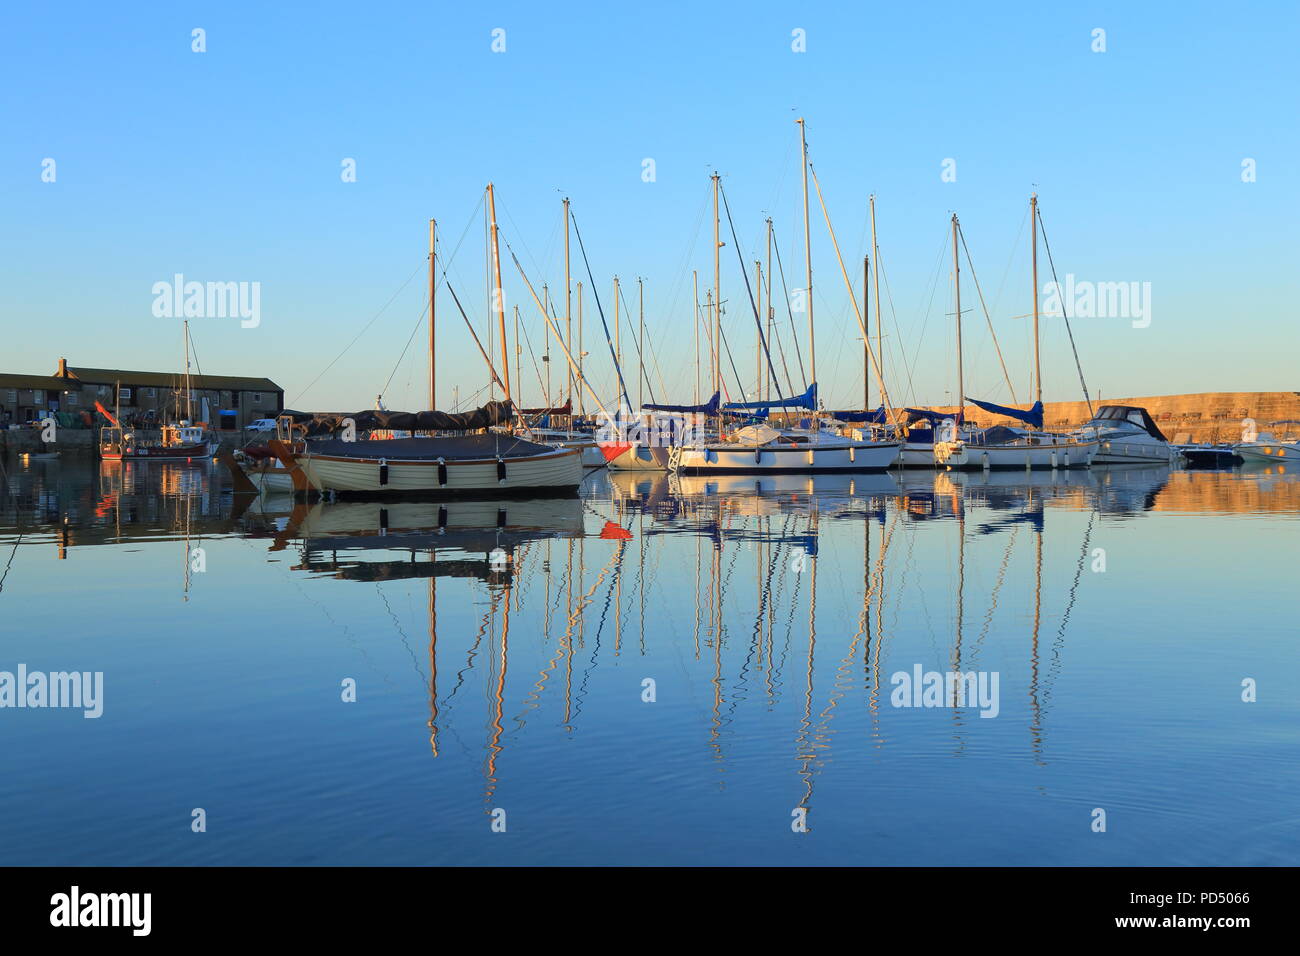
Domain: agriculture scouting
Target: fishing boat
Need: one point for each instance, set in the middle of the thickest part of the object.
(185, 440)
(1128, 435)
(1257, 446)
(1001, 446)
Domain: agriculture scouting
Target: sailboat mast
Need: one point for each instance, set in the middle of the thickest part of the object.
(618, 329)
(866, 357)
(189, 392)
(875, 261)
(582, 403)
(498, 295)
(956, 282)
(433, 375)
(758, 349)
(717, 292)
(695, 283)
(807, 251)
(1033, 233)
(640, 345)
(568, 300)
(771, 313)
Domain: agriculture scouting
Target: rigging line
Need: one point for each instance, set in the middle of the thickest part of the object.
(491, 368)
(744, 272)
(363, 331)
(893, 314)
(642, 377)
(418, 322)
(727, 345)
(794, 334)
(541, 386)
(929, 309)
(600, 309)
(367, 326)
(1064, 313)
(987, 318)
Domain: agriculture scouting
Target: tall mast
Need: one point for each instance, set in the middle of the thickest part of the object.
(433, 376)
(498, 295)
(770, 311)
(758, 351)
(717, 293)
(519, 353)
(807, 250)
(189, 392)
(956, 282)
(1033, 232)
(695, 283)
(618, 329)
(640, 345)
(875, 261)
(546, 352)
(866, 359)
(582, 402)
(568, 300)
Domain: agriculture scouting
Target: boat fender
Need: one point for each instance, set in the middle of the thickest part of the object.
(442, 472)
(501, 517)
(501, 470)
(383, 471)
(442, 518)
(383, 520)
(758, 456)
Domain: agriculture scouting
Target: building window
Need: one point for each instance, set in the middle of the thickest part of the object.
(149, 393)
(124, 394)
(72, 398)
(257, 398)
(102, 391)
(38, 398)
(11, 396)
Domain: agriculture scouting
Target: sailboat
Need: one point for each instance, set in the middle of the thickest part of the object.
(1001, 446)
(761, 448)
(477, 461)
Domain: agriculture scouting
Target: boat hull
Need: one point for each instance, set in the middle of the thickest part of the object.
(1125, 452)
(160, 453)
(1059, 454)
(556, 472)
(822, 457)
(1268, 451)
(641, 458)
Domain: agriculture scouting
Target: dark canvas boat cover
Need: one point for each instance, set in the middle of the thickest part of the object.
(925, 415)
(565, 409)
(493, 413)
(807, 400)
(1034, 416)
(876, 417)
(451, 448)
(708, 408)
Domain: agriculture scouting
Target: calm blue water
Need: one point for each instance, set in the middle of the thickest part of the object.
(1120, 610)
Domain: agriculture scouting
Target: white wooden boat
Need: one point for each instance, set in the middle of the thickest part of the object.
(480, 464)
(1028, 450)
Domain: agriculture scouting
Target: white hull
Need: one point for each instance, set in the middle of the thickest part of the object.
(553, 471)
(1268, 451)
(917, 454)
(1049, 454)
(1123, 451)
(773, 458)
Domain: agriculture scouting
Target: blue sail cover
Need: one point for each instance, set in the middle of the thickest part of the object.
(925, 414)
(709, 408)
(1032, 417)
(876, 418)
(807, 400)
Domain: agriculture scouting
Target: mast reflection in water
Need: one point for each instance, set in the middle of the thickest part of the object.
(662, 670)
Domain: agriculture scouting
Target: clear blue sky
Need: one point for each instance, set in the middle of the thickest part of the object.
(225, 166)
